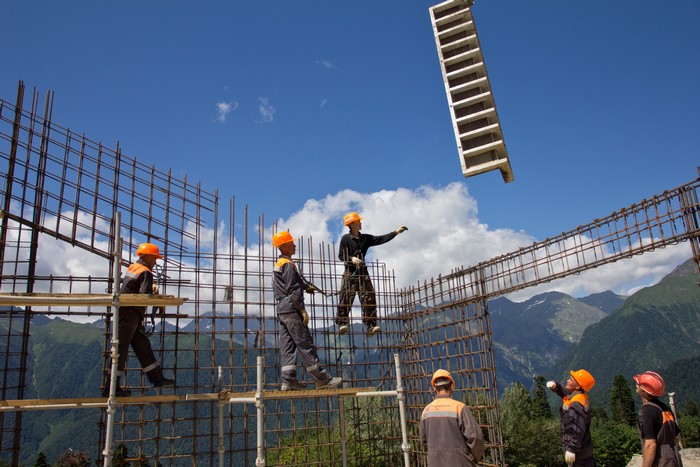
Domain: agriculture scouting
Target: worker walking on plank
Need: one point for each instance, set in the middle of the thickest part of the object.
(352, 251)
(138, 280)
(448, 429)
(289, 287)
(575, 426)
(657, 425)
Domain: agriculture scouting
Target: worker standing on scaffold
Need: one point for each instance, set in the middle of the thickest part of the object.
(138, 280)
(289, 287)
(352, 251)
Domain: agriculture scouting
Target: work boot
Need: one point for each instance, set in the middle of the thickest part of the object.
(373, 329)
(342, 329)
(120, 392)
(293, 386)
(332, 383)
(164, 382)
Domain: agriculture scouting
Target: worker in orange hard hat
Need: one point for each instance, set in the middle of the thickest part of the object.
(448, 429)
(575, 425)
(138, 280)
(353, 251)
(289, 287)
(657, 425)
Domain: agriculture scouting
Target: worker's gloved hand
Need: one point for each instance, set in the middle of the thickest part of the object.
(551, 384)
(155, 289)
(569, 457)
(401, 229)
(355, 260)
(310, 289)
(304, 316)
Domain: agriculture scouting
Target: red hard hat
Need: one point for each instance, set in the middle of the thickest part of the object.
(652, 383)
(351, 217)
(442, 374)
(280, 238)
(148, 249)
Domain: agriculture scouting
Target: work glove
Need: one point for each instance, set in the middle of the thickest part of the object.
(155, 289)
(310, 289)
(401, 229)
(569, 457)
(304, 316)
(355, 260)
(551, 385)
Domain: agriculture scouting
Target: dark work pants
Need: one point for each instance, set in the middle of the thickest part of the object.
(357, 284)
(131, 333)
(295, 335)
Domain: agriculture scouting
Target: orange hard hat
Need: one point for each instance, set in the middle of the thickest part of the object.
(442, 374)
(652, 383)
(280, 238)
(351, 217)
(583, 378)
(148, 249)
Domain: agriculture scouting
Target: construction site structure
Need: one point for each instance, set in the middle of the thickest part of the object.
(475, 120)
(61, 193)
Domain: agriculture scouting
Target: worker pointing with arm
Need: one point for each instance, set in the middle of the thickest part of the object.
(352, 251)
(575, 426)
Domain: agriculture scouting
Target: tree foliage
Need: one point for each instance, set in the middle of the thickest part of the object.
(73, 459)
(690, 429)
(528, 440)
(614, 443)
(41, 460)
(621, 402)
(540, 403)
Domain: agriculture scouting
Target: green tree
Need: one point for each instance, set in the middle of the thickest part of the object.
(540, 404)
(119, 456)
(41, 460)
(621, 402)
(614, 443)
(691, 409)
(73, 459)
(690, 430)
(527, 441)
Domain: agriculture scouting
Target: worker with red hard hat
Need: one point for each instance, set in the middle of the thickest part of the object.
(138, 280)
(657, 426)
(352, 251)
(448, 429)
(575, 413)
(289, 287)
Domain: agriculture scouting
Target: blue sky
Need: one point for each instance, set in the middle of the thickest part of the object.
(292, 105)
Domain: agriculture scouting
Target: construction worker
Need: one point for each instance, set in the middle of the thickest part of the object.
(448, 429)
(657, 425)
(289, 287)
(352, 251)
(138, 280)
(575, 425)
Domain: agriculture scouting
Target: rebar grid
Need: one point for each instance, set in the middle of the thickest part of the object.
(58, 188)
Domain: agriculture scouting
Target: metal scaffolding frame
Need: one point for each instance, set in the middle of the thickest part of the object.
(60, 189)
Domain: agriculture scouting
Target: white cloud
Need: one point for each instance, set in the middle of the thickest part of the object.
(223, 109)
(323, 103)
(267, 110)
(445, 234)
(326, 64)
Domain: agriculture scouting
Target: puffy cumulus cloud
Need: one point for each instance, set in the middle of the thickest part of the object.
(223, 109)
(445, 233)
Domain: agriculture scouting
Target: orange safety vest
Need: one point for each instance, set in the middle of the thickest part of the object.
(581, 398)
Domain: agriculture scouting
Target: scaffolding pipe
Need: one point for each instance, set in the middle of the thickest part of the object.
(111, 409)
(405, 445)
(221, 421)
(260, 461)
(343, 441)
